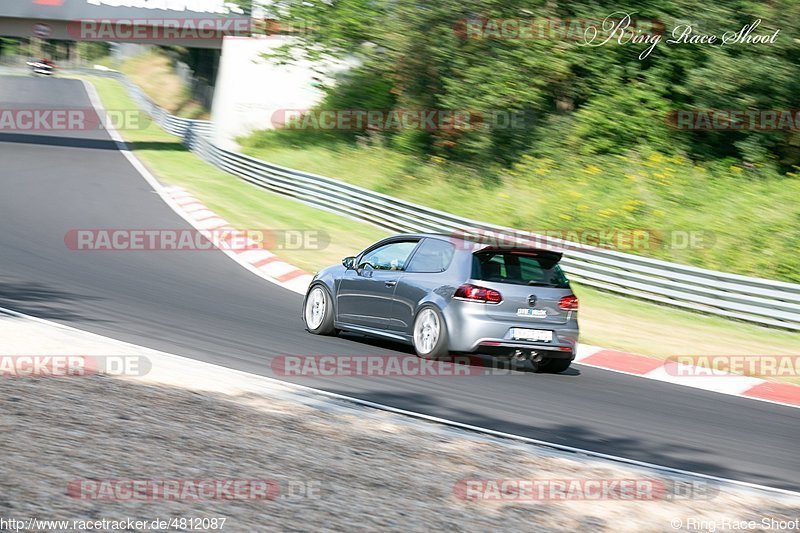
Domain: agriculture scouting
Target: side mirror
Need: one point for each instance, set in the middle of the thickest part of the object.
(349, 263)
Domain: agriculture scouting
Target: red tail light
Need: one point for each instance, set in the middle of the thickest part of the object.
(569, 303)
(478, 294)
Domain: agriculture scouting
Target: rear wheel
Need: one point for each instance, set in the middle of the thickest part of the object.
(318, 311)
(550, 366)
(430, 333)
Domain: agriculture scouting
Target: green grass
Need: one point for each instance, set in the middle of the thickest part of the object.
(606, 320)
(749, 219)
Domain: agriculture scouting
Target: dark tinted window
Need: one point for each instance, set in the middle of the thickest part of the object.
(519, 268)
(432, 256)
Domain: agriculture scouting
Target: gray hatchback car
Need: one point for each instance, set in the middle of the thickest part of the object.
(444, 295)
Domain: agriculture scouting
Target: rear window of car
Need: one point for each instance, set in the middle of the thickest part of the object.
(519, 268)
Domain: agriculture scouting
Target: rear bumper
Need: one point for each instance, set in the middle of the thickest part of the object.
(504, 348)
(471, 331)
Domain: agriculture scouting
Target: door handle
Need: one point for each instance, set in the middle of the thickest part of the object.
(391, 283)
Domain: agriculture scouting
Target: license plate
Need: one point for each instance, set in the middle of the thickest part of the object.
(537, 335)
(533, 313)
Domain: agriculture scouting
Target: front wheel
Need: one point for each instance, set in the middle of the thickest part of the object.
(430, 333)
(551, 366)
(318, 311)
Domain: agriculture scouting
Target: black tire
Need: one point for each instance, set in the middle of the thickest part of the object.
(441, 345)
(325, 326)
(551, 366)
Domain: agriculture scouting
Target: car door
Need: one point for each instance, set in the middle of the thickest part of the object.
(365, 293)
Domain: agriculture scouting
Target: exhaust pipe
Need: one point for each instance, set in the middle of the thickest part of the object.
(518, 356)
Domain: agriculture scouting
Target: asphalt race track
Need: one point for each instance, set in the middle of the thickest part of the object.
(203, 305)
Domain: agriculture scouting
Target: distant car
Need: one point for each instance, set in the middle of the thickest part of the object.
(443, 295)
(43, 67)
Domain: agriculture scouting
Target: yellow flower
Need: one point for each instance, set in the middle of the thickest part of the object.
(632, 205)
(591, 169)
(735, 169)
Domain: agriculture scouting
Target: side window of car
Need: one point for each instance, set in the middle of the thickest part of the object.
(433, 255)
(392, 256)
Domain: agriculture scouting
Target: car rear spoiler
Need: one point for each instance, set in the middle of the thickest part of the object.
(551, 256)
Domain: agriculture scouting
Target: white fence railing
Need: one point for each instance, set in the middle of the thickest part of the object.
(771, 303)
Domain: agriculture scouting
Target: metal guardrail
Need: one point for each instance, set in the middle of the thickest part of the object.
(770, 303)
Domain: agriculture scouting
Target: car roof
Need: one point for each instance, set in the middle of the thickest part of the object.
(402, 236)
(474, 248)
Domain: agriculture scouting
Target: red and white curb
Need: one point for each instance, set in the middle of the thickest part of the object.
(252, 255)
(671, 371)
(261, 262)
(270, 266)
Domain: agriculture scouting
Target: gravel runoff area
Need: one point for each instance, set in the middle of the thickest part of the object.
(73, 446)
